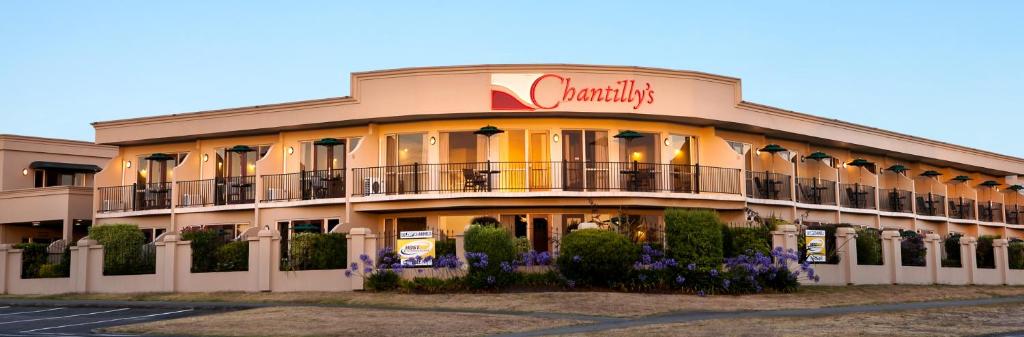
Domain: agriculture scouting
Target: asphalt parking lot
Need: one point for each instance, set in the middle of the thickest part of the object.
(37, 321)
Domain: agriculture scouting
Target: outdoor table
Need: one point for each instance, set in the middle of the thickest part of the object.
(632, 183)
(816, 193)
(487, 174)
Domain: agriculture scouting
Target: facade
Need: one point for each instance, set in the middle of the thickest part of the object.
(46, 188)
(542, 148)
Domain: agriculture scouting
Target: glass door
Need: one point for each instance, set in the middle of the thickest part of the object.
(585, 160)
(540, 161)
(683, 173)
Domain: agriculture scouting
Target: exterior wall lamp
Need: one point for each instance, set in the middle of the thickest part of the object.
(128, 164)
(24, 172)
(291, 150)
(433, 140)
(555, 138)
(206, 157)
(668, 141)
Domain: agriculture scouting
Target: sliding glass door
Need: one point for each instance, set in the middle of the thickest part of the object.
(585, 160)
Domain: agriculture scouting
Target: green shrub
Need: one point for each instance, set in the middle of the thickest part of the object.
(312, 251)
(740, 240)
(952, 247)
(986, 255)
(486, 221)
(912, 249)
(869, 246)
(124, 249)
(382, 280)
(233, 256)
(522, 245)
(497, 248)
(597, 257)
(548, 279)
(204, 243)
(444, 247)
(1015, 254)
(432, 285)
(52, 270)
(33, 257)
(694, 236)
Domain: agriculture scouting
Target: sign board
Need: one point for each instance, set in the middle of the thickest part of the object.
(412, 244)
(814, 241)
(529, 92)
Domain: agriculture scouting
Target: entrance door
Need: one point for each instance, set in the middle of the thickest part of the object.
(540, 233)
(585, 160)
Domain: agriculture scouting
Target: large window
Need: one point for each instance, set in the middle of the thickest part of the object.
(48, 177)
(462, 147)
(642, 149)
(239, 163)
(159, 167)
(405, 149)
(319, 156)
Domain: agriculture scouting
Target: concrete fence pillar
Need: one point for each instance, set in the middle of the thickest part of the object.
(4, 272)
(969, 257)
(784, 236)
(933, 255)
(999, 248)
(846, 250)
(460, 247)
(80, 254)
(168, 274)
(265, 258)
(892, 255)
(356, 249)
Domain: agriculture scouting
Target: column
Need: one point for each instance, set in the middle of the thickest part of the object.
(265, 261)
(846, 244)
(968, 256)
(80, 254)
(892, 254)
(169, 248)
(933, 255)
(4, 248)
(356, 248)
(785, 236)
(999, 247)
(460, 247)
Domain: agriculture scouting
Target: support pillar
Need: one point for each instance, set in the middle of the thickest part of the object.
(356, 249)
(968, 257)
(4, 249)
(999, 247)
(892, 255)
(169, 246)
(933, 255)
(80, 255)
(846, 246)
(460, 247)
(266, 238)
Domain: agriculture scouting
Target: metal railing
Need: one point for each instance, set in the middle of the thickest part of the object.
(305, 185)
(215, 192)
(766, 185)
(135, 197)
(961, 208)
(543, 176)
(896, 200)
(815, 191)
(990, 211)
(931, 204)
(1013, 213)
(857, 196)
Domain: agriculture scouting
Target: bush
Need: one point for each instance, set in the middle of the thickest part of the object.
(952, 247)
(52, 270)
(444, 247)
(912, 249)
(522, 245)
(233, 256)
(986, 255)
(382, 280)
(694, 236)
(432, 285)
(486, 221)
(204, 243)
(1015, 254)
(869, 246)
(33, 257)
(124, 249)
(315, 251)
(597, 257)
(491, 254)
(741, 240)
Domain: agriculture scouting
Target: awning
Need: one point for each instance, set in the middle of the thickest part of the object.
(49, 165)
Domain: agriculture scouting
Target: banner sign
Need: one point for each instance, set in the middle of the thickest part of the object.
(814, 241)
(413, 244)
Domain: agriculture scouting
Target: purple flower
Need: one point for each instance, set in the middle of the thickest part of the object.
(577, 258)
(700, 293)
(691, 266)
(490, 280)
(348, 273)
(507, 267)
(642, 277)
(713, 273)
(680, 279)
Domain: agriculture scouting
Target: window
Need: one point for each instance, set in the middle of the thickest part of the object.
(462, 147)
(642, 149)
(321, 157)
(54, 177)
(405, 149)
(683, 149)
(743, 149)
(158, 170)
(239, 163)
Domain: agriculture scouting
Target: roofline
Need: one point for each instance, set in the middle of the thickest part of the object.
(58, 141)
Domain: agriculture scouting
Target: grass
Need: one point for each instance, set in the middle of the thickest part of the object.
(597, 303)
(327, 321)
(958, 321)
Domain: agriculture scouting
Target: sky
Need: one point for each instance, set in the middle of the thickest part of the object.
(949, 71)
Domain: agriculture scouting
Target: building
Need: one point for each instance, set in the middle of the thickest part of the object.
(542, 148)
(46, 187)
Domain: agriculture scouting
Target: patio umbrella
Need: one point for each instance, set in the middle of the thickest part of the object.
(899, 169)
(629, 136)
(241, 149)
(488, 131)
(159, 157)
(860, 163)
(329, 143)
(772, 149)
(930, 174)
(1015, 188)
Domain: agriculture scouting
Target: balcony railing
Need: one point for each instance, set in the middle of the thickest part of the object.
(816, 191)
(857, 196)
(543, 176)
(931, 204)
(305, 185)
(1013, 213)
(990, 211)
(135, 197)
(896, 200)
(766, 185)
(961, 208)
(215, 192)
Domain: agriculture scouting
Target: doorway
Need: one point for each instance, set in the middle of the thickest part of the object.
(540, 233)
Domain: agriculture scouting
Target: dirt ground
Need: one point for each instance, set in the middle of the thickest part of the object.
(323, 321)
(960, 321)
(595, 303)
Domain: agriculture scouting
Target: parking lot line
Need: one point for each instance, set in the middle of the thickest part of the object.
(29, 312)
(107, 321)
(67, 316)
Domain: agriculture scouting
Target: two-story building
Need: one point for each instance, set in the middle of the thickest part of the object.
(46, 187)
(542, 148)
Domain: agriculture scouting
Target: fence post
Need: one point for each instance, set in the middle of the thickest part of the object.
(846, 249)
(169, 246)
(697, 178)
(4, 248)
(892, 254)
(968, 257)
(784, 236)
(460, 246)
(356, 248)
(265, 258)
(80, 255)
(999, 247)
(933, 255)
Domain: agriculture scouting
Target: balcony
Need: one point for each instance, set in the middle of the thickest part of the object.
(990, 211)
(135, 197)
(542, 177)
(1013, 214)
(961, 208)
(931, 204)
(217, 192)
(895, 200)
(857, 196)
(306, 185)
(816, 191)
(766, 185)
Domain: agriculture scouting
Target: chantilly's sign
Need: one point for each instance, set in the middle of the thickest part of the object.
(547, 91)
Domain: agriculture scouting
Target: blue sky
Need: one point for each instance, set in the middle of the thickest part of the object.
(942, 70)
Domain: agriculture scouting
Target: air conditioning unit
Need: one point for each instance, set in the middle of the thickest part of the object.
(186, 200)
(111, 205)
(276, 194)
(372, 186)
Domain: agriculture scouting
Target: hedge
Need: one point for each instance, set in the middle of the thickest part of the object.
(33, 258)
(487, 250)
(952, 247)
(869, 246)
(986, 255)
(741, 240)
(1015, 254)
(314, 251)
(694, 236)
(596, 257)
(211, 254)
(124, 249)
(912, 249)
